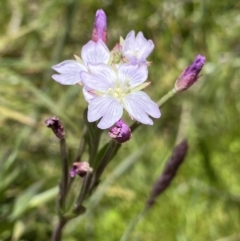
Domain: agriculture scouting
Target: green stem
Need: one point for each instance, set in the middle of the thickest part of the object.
(65, 173)
(132, 225)
(57, 234)
(112, 147)
(84, 190)
(82, 145)
(166, 97)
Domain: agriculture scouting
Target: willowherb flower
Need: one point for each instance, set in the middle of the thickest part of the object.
(117, 88)
(190, 75)
(136, 49)
(100, 27)
(70, 70)
(57, 127)
(120, 132)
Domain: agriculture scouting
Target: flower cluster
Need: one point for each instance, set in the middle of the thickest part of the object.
(112, 80)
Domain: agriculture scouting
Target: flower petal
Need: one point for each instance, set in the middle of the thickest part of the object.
(135, 74)
(95, 53)
(95, 82)
(69, 72)
(87, 94)
(129, 42)
(138, 105)
(106, 107)
(147, 50)
(145, 46)
(105, 71)
(112, 115)
(136, 50)
(101, 77)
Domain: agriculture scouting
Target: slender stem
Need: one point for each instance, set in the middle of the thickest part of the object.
(107, 157)
(84, 190)
(82, 145)
(93, 148)
(112, 147)
(133, 224)
(166, 97)
(65, 173)
(57, 234)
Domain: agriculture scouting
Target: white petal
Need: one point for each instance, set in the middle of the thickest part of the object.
(131, 35)
(95, 53)
(95, 82)
(149, 106)
(147, 50)
(129, 42)
(105, 71)
(135, 74)
(106, 107)
(112, 115)
(97, 108)
(138, 105)
(69, 72)
(87, 94)
(140, 40)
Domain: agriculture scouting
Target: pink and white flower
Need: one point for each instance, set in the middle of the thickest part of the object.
(136, 49)
(70, 70)
(117, 88)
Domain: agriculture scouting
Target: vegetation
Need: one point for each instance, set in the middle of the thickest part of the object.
(203, 202)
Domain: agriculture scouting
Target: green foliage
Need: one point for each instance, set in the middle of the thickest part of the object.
(203, 202)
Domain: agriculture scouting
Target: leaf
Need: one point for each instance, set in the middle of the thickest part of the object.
(43, 197)
(22, 201)
(18, 230)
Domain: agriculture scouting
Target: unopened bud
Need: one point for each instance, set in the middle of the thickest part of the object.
(116, 54)
(80, 168)
(120, 132)
(100, 27)
(57, 127)
(169, 172)
(190, 75)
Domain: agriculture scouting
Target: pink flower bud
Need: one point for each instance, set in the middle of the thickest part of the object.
(190, 75)
(100, 27)
(120, 132)
(79, 168)
(57, 127)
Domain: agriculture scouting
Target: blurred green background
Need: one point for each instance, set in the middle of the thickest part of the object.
(203, 202)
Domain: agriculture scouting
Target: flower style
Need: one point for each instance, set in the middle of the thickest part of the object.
(115, 88)
(70, 70)
(137, 49)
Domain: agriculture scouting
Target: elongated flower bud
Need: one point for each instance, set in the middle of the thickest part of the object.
(57, 127)
(169, 172)
(190, 75)
(100, 27)
(120, 132)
